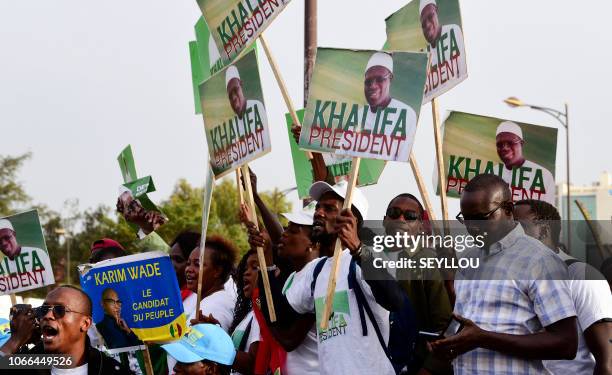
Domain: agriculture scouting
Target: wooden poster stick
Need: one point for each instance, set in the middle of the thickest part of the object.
(331, 286)
(147, 356)
(239, 186)
(13, 299)
(421, 185)
(440, 160)
(260, 251)
(205, 211)
(282, 86)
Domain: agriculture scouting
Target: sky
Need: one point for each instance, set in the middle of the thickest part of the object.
(79, 80)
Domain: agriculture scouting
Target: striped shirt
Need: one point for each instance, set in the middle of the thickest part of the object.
(520, 287)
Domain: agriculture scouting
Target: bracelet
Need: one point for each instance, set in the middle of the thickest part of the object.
(272, 268)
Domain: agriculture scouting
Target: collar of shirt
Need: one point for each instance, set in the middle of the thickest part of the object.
(508, 241)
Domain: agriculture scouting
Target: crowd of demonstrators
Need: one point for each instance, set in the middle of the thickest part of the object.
(526, 309)
(592, 298)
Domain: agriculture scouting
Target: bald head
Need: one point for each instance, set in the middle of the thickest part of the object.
(80, 301)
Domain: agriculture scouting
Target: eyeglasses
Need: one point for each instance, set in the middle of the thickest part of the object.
(394, 213)
(379, 80)
(463, 218)
(58, 311)
(113, 301)
(501, 144)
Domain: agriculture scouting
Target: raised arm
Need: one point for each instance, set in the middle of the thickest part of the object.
(270, 221)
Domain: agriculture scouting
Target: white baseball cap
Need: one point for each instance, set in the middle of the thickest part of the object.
(231, 73)
(425, 3)
(380, 59)
(303, 216)
(359, 200)
(5, 224)
(509, 127)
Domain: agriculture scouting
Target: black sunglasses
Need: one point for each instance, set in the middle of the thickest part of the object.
(59, 311)
(394, 213)
(463, 218)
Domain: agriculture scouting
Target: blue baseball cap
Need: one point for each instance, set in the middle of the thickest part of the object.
(204, 341)
(5, 331)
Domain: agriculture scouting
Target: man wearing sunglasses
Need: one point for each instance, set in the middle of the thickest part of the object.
(527, 179)
(424, 287)
(64, 318)
(516, 308)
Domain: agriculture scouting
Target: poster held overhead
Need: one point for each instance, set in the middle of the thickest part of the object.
(235, 24)
(524, 155)
(338, 168)
(24, 260)
(435, 27)
(364, 103)
(235, 119)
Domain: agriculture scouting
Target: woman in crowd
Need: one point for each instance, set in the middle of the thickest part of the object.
(297, 249)
(218, 294)
(245, 328)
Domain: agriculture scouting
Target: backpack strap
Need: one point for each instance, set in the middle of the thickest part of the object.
(362, 303)
(245, 336)
(315, 274)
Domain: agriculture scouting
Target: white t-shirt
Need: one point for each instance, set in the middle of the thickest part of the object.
(81, 370)
(221, 305)
(593, 302)
(254, 333)
(390, 119)
(342, 348)
(528, 190)
(305, 358)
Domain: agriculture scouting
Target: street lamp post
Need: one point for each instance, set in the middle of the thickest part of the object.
(563, 118)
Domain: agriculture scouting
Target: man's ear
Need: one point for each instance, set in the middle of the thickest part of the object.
(543, 232)
(86, 323)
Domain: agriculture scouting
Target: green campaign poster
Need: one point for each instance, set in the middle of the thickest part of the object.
(196, 74)
(364, 103)
(235, 24)
(369, 169)
(433, 26)
(524, 155)
(205, 59)
(133, 202)
(126, 164)
(234, 115)
(24, 259)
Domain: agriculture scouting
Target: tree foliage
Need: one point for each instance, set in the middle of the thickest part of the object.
(12, 193)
